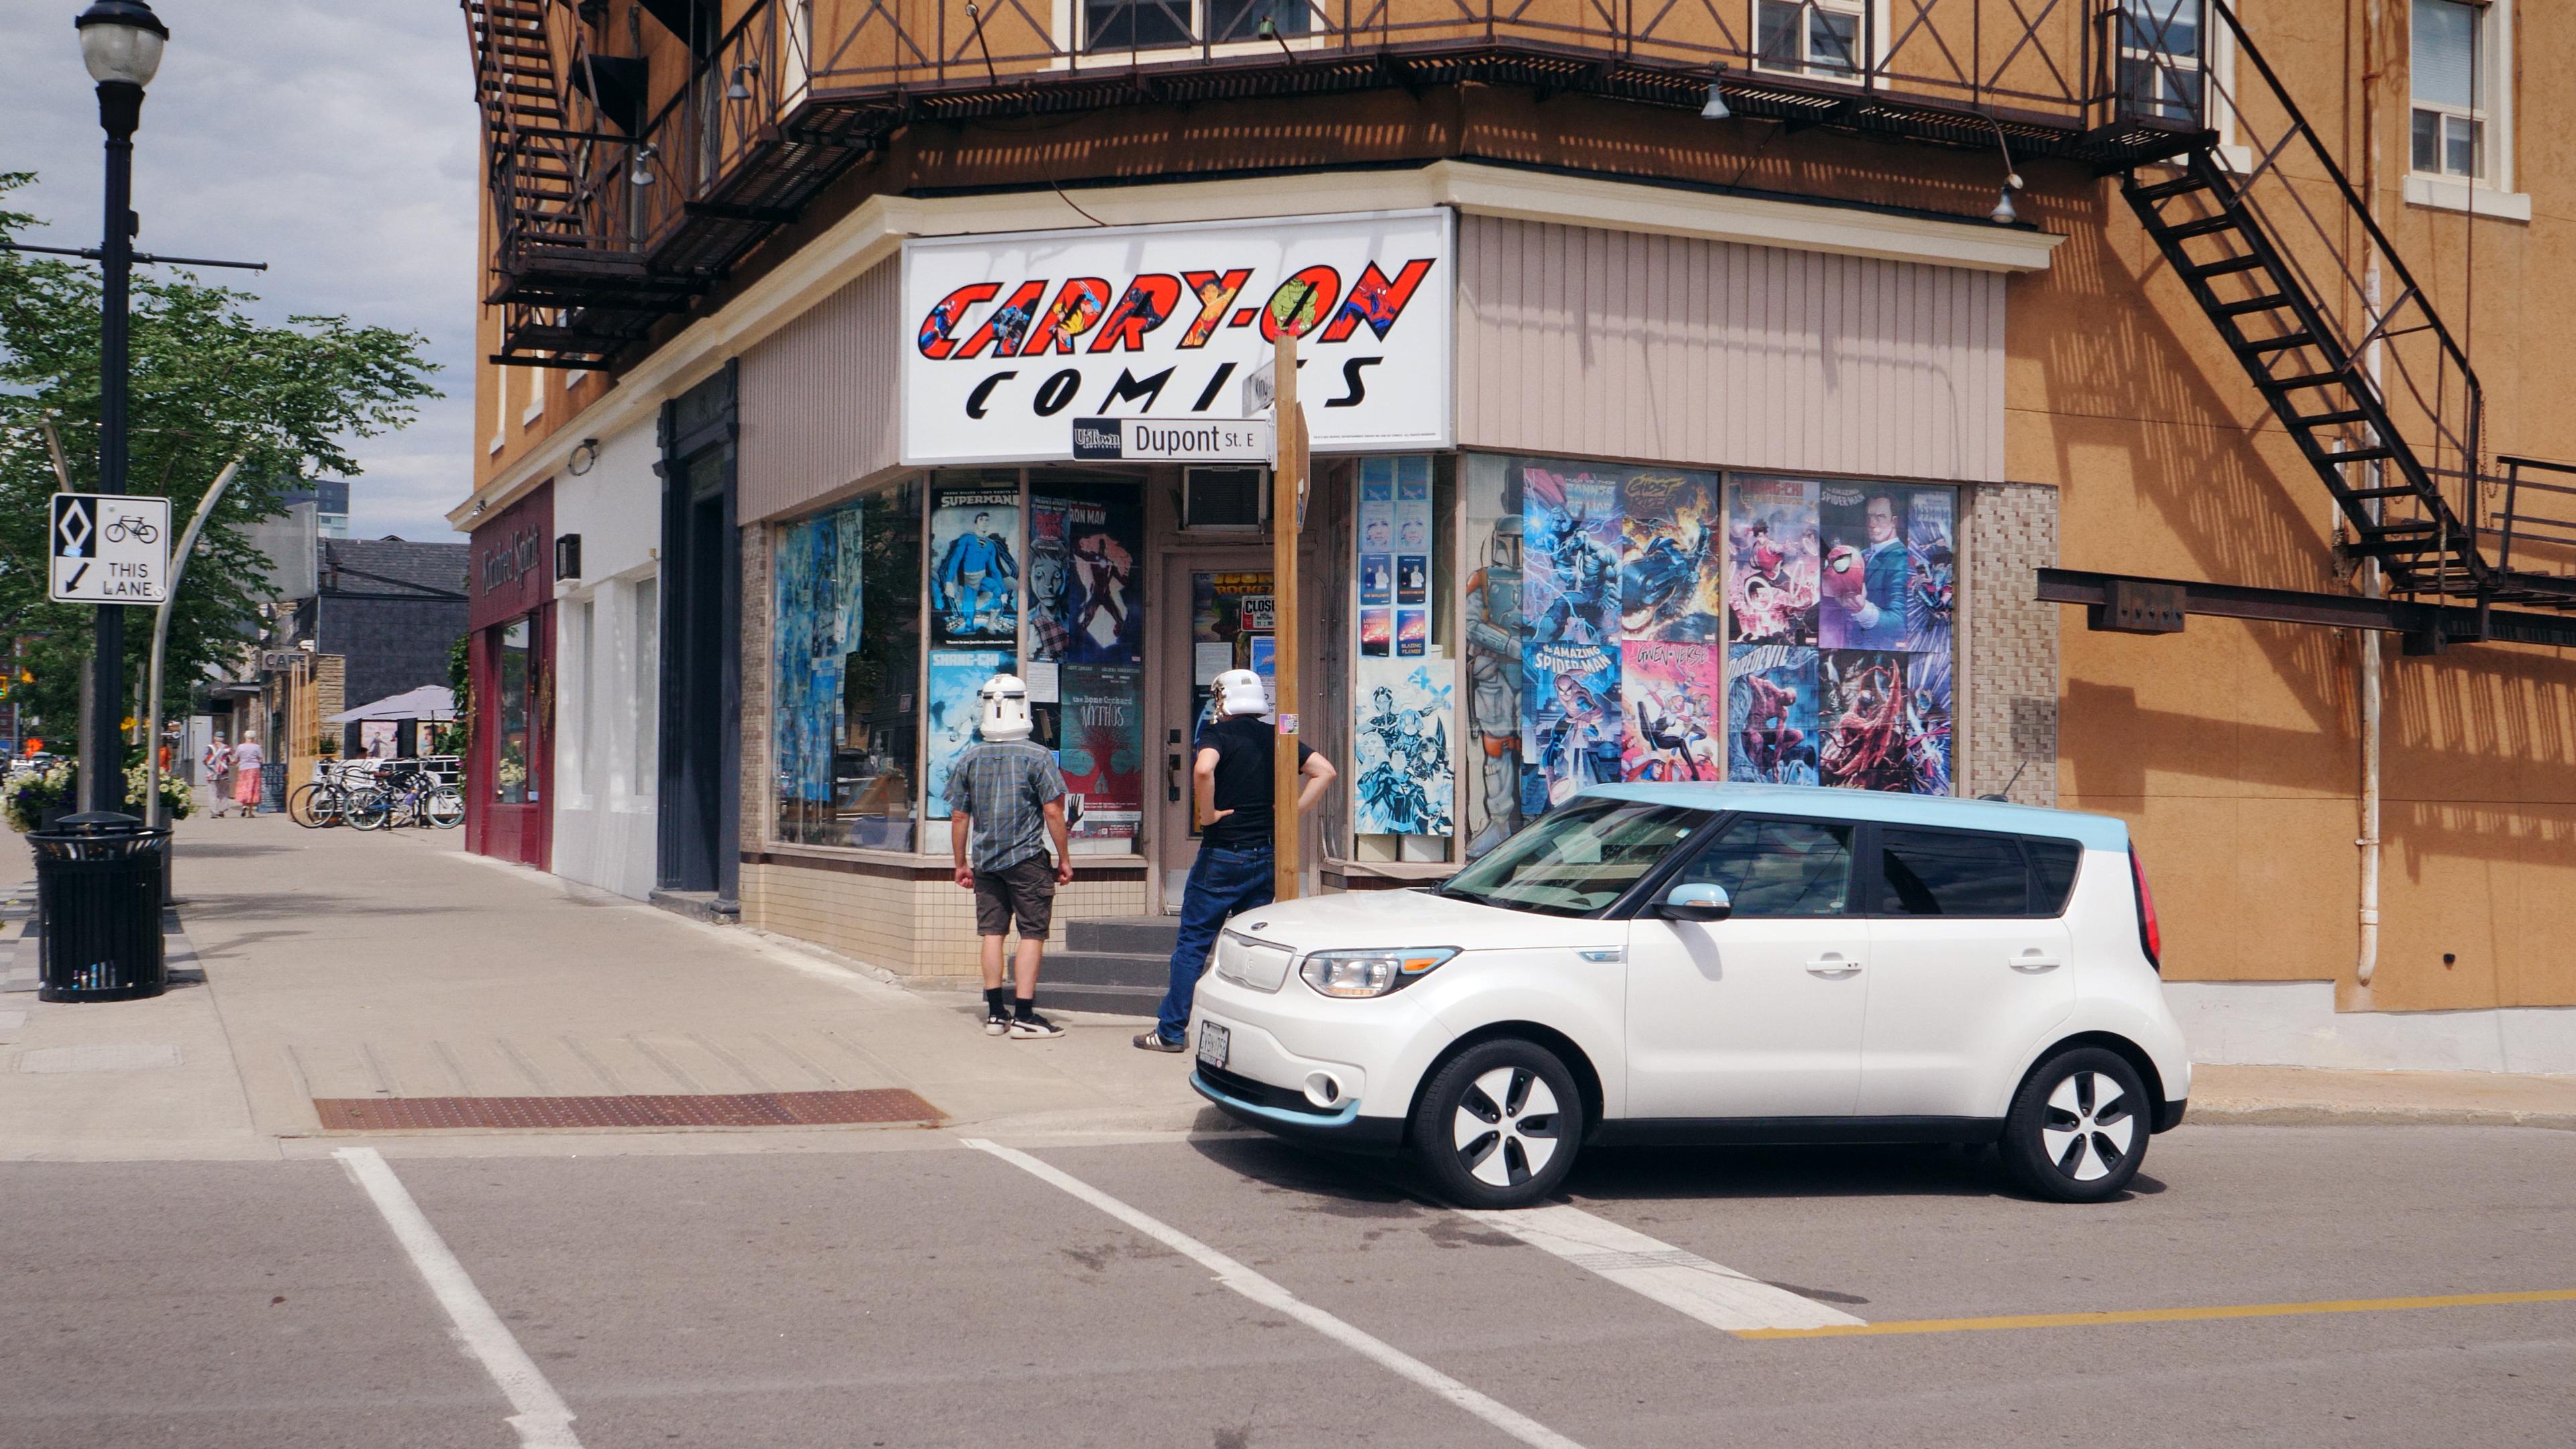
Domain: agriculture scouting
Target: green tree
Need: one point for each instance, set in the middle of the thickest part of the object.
(208, 383)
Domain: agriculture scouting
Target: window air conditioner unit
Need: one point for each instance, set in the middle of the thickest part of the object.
(1225, 500)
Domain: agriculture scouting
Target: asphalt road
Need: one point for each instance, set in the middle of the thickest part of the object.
(942, 1295)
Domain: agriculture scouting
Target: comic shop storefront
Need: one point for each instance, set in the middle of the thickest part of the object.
(509, 761)
(1521, 573)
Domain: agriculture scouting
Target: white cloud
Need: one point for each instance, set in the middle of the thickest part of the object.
(334, 141)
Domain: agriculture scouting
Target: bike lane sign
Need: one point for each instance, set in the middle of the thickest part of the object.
(110, 549)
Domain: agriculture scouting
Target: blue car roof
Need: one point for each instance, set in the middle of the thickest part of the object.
(2097, 832)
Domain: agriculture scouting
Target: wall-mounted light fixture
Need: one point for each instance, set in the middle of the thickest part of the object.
(1716, 109)
(2003, 214)
(585, 456)
(740, 90)
(642, 175)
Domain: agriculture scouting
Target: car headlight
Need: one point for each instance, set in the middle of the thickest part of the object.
(1371, 973)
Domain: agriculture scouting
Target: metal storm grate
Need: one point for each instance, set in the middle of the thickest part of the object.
(745, 1109)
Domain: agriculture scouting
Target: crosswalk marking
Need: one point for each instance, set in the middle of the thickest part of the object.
(1270, 1295)
(1685, 1282)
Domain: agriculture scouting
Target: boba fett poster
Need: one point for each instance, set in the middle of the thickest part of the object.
(1404, 780)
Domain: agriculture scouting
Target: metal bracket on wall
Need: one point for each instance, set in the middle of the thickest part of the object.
(2428, 629)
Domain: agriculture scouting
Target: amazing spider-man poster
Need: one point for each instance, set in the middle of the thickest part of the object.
(1102, 750)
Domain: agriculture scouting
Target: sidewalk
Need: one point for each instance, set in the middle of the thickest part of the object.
(391, 984)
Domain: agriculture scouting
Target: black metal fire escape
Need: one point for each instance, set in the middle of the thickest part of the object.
(2374, 388)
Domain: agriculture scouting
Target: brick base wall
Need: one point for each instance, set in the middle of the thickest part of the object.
(913, 926)
(2010, 644)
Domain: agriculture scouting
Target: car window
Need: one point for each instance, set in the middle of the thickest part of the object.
(2052, 873)
(1578, 859)
(1951, 873)
(1777, 867)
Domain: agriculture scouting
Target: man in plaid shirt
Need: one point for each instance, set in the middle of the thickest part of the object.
(1006, 797)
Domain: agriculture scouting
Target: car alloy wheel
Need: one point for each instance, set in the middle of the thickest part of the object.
(2078, 1127)
(2090, 1127)
(1498, 1125)
(1505, 1127)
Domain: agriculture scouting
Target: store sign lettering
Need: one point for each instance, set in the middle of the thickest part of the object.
(1015, 336)
(510, 560)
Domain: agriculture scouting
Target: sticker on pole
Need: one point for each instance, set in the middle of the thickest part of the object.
(110, 549)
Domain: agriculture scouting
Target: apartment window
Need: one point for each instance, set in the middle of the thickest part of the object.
(2453, 40)
(1808, 37)
(1160, 24)
(2160, 59)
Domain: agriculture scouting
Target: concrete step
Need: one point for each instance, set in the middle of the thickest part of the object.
(1075, 996)
(1125, 935)
(1107, 968)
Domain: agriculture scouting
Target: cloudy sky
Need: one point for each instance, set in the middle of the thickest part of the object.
(334, 141)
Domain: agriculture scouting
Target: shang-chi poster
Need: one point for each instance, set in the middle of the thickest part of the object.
(1772, 556)
(1670, 585)
(1771, 714)
(1670, 695)
(1102, 752)
(954, 708)
(1017, 335)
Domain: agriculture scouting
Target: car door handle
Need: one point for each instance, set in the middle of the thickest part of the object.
(1832, 965)
(2033, 961)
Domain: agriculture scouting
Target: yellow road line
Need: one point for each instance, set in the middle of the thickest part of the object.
(2162, 1315)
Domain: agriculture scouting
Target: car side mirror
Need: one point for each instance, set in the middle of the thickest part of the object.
(1696, 903)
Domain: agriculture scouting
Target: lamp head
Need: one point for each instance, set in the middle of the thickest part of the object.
(642, 175)
(121, 41)
(2003, 214)
(1716, 109)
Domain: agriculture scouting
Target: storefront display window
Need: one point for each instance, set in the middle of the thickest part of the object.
(1614, 605)
(510, 741)
(1404, 693)
(845, 661)
(1086, 644)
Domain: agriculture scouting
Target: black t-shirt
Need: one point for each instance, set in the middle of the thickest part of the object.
(1246, 776)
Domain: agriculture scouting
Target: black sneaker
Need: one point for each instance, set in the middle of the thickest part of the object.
(1030, 1025)
(1155, 1041)
(997, 1023)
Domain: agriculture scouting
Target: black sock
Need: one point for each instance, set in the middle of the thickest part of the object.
(995, 999)
(1025, 1007)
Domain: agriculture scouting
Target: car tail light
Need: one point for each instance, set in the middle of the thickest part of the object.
(2148, 936)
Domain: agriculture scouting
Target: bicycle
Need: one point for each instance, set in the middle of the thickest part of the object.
(121, 528)
(323, 801)
(414, 796)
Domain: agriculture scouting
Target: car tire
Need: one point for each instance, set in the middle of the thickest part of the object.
(2078, 1127)
(1499, 1125)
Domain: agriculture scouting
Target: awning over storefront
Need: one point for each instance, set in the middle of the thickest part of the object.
(430, 701)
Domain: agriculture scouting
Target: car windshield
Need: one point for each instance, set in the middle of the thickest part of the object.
(1577, 860)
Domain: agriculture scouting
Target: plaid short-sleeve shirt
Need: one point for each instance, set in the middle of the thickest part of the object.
(1005, 786)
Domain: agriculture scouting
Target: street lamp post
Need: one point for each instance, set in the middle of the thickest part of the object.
(121, 43)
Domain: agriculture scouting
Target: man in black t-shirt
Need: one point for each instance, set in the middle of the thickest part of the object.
(1235, 777)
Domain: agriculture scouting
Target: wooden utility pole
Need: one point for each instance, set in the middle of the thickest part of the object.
(1287, 520)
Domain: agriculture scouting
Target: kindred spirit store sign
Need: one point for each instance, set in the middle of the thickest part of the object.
(1018, 336)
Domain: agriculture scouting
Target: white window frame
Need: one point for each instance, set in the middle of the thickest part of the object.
(2490, 192)
(1869, 34)
(536, 407)
(1070, 22)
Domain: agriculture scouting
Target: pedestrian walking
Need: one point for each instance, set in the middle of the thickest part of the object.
(217, 767)
(248, 760)
(1006, 797)
(1235, 774)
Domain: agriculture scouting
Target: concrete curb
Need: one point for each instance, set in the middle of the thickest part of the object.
(2319, 1114)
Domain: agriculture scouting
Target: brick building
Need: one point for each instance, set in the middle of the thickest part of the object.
(1751, 388)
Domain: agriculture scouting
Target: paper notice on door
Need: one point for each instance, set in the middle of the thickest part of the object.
(1041, 680)
(1207, 661)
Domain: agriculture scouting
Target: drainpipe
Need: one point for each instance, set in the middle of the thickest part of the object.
(2366, 964)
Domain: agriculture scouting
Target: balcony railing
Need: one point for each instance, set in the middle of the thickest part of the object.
(794, 90)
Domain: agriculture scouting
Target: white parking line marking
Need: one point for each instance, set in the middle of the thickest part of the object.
(1713, 1293)
(543, 1420)
(1270, 1295)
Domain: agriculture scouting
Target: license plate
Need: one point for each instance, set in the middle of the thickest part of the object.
(1214, 1042)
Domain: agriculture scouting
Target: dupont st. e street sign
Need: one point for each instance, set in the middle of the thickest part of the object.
(110, 549)
(1151, 440)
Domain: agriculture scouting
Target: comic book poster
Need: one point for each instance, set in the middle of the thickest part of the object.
(1771, 714)
(1104, 544)
(1864, 581)
(1493, 631)
(1103, 749)
(1931, 568)
(975, 569)
(1570, 722)
(1412, 632)
(1050, 571)
(1570, 555)
(1377, 633)
(1377, 580)
(1886, 721)
(1403, 781)
(1670, 585)
(379, 739)
(815, 585)
(1772, 555)
(951, 712)
(1669, 692)
(1230, 615)
(1412, 580)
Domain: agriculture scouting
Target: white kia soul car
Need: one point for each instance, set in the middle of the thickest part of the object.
(1711, 964)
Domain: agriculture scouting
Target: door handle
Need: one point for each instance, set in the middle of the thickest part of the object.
(1172, 779)
(1832, 964)
(2033, 961)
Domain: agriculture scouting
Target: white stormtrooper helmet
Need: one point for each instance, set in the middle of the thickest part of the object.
(1006, 709)
(1238, 691)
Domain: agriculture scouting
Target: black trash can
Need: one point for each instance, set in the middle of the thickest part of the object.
(98, 900)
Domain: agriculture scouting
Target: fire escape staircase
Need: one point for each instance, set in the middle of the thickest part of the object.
(2379, 397)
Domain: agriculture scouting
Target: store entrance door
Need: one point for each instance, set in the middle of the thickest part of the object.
(1220, 617)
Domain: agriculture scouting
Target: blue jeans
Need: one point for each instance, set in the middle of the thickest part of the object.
(1222, 882)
